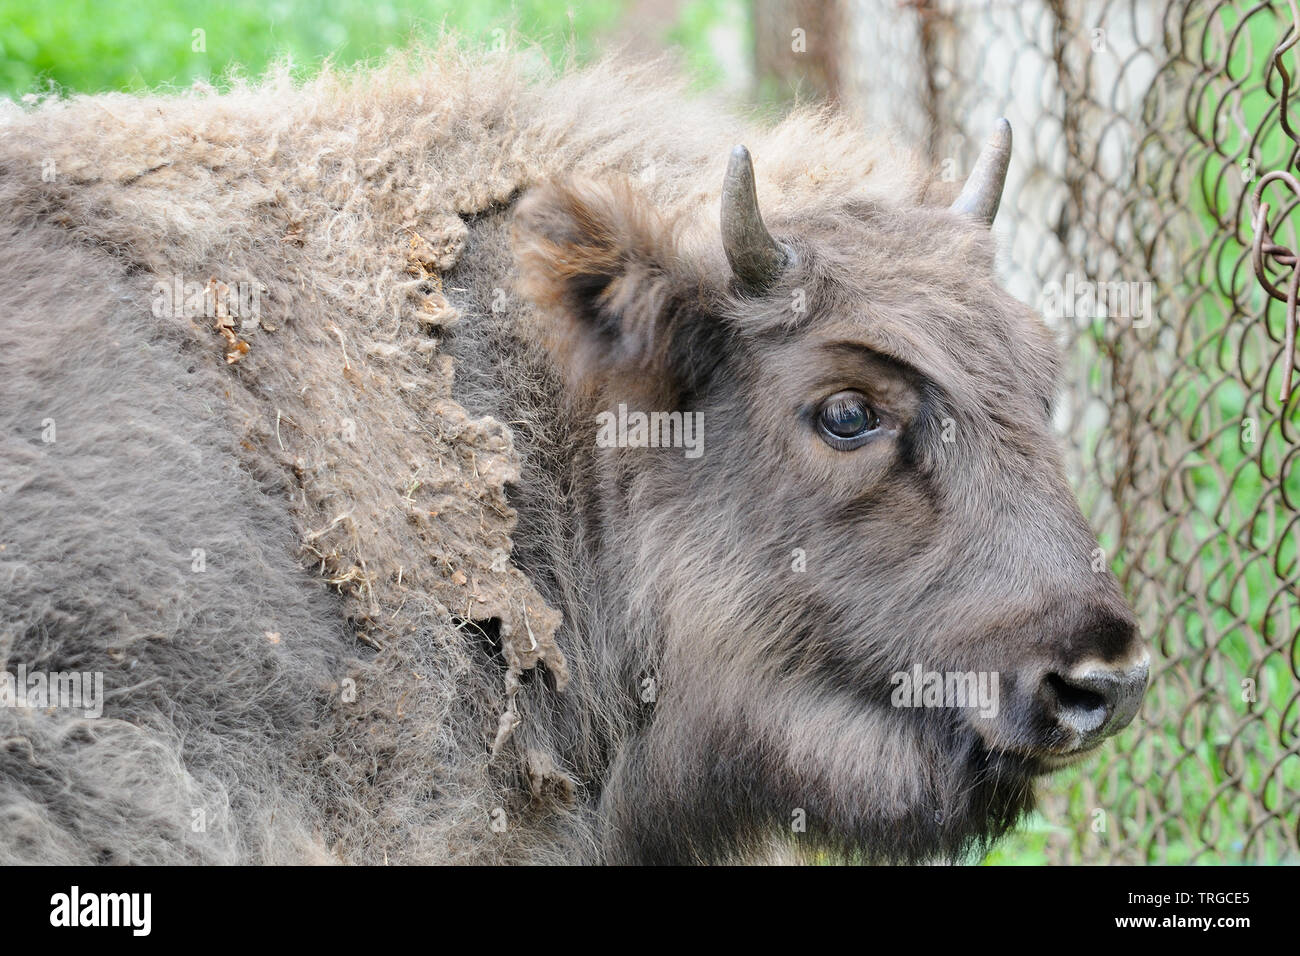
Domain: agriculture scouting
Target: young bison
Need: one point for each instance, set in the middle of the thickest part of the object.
(320, 402)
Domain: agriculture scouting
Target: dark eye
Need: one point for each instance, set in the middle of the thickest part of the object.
(845, 421)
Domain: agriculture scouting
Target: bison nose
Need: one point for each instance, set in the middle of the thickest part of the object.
(1093, 702)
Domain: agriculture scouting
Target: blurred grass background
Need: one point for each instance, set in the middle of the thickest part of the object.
(90, 46)
(85, 46)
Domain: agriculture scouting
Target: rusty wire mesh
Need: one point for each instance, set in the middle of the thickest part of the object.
(1154, 155)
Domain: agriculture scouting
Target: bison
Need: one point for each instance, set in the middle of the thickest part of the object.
(456, 461)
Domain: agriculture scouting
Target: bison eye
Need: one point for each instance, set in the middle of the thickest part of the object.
(846, 421)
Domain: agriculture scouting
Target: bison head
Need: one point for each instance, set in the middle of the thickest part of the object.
(864, 596)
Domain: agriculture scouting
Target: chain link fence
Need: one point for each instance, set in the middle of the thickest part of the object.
(1150, 213)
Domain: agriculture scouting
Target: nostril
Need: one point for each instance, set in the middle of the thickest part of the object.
(1095, 702)
(1075, 696)
(1080, 705)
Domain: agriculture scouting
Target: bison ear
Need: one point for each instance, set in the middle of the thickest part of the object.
(596, 258)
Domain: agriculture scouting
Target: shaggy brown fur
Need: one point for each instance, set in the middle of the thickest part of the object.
(376, 664)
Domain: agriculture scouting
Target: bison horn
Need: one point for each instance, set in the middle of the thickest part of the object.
(983, 190)
(756, 258)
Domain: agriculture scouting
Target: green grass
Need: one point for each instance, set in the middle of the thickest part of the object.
(88, 46)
